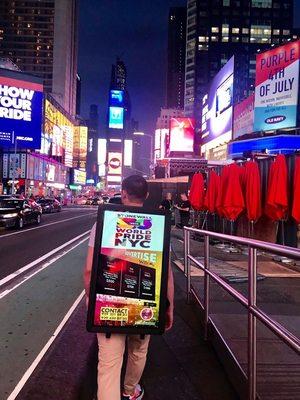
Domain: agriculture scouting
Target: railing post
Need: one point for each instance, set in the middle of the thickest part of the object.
(185, 241)
(206, 285)
(252, 339)
(188, 268)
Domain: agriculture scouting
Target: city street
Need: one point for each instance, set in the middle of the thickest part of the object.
(34, 302)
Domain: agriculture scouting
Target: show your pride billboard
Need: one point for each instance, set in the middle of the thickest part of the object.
(277, 87)
(21, 98)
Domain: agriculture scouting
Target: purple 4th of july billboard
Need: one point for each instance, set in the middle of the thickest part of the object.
(217, 104)
(21, 100)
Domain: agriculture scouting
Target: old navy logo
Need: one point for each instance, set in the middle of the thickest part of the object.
(275, 120)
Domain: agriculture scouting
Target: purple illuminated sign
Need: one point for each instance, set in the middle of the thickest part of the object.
(218, 104)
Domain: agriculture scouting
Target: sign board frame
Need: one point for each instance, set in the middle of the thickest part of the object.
(99, 260)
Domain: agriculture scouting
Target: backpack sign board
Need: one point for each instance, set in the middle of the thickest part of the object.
(128, 291)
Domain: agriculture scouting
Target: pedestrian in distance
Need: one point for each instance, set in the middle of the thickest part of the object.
(111, 349)
(167, 203)
(184, 207)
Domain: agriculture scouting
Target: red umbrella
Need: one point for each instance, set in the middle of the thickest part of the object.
(196, 196)
(232, 199)
(277, 194)
(252, 191)
(213, 188)
(221, 191)
(296, 200)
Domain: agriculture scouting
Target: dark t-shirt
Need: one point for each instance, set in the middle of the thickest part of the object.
(184, 204)
(166, 204)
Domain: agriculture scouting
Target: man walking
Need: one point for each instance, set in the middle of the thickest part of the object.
(111, 350)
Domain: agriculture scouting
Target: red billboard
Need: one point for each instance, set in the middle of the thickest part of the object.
(243, 117)
(182, 132)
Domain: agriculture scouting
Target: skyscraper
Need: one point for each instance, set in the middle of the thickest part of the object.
(218, 29)
(176, 57)
(41, 38)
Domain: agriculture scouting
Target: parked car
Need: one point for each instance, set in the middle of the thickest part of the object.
(17, 213)
(49, 205)
(94, 201)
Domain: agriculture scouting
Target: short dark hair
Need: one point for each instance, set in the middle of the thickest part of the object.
(136, 187)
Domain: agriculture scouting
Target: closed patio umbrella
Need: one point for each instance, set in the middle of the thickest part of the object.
(296, 198)
(196, 195)
(276, 207)
(213, 188)
(233, 200)
(252, 191)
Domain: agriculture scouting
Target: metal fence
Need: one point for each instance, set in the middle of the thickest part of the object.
(254, 312)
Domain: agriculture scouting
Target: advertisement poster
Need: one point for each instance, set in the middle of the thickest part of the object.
(21, 98)
(115, 163)
(277, 88)
(182, 132)
(116, 118)
(243, 117)
(130, 270)
(217, 107)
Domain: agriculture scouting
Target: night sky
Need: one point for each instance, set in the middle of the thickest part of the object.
(135, 30)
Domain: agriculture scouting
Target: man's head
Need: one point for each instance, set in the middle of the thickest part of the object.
(169, 196)
(183, 196)
(134, 190)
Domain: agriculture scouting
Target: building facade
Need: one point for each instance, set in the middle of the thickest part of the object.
(176, 57)
(219, 29)
(41, 39)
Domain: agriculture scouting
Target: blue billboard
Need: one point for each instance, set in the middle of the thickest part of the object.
(21, 104)
(116, 118)
(116, 98)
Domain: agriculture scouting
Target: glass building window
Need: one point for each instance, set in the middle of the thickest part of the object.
(286, 31)
(276, 32)
(215, 29)
(226, 3)
(245, 31)
(235, 30)
(214, 38)
(225, 39)
(225, 29)
(235, 39)
(262, 3)
(202, 39)
(260, 34)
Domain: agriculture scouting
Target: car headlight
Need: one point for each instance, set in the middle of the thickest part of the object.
(12, 215)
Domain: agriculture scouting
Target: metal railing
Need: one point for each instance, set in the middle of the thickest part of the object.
(254, 312)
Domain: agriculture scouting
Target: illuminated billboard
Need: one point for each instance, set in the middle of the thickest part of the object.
(116, 118)
(79, 177)
(21, 106)
(182, 132)
(59, 132)
(277, 88)
(116, 98)
(115, 163)
(128, 153)
(217, 105)
(243, 117)
(80, 147)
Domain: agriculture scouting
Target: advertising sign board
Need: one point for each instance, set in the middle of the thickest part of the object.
(130, 268)
(217, 107)
(243, 117)
(116, 98)
(116, 118)
(21, 100)
(115, 163)
(277, 87)
(182, 131)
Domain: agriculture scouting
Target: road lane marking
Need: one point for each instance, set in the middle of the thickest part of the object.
(44, 226)
(42, 258)
(39, 357)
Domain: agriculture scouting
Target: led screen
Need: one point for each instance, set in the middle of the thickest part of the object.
(217, 105)
(243, 117)
(116, 118)
(21, 98)
(182, 131)
(115, 163)
(277, 88)
(116, 98)
(127, 153)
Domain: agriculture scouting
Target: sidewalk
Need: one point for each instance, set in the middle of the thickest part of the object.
(278, 294)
